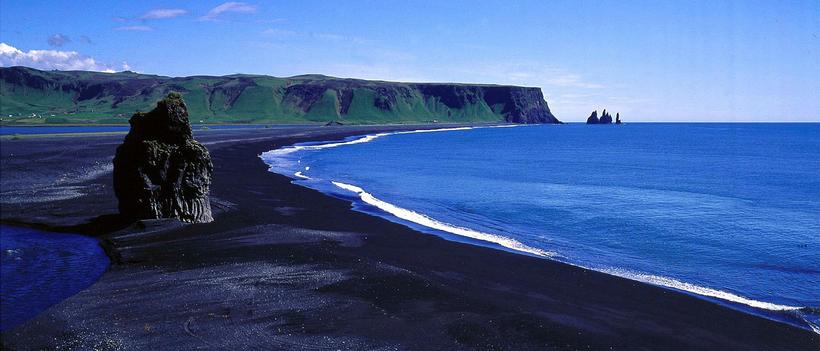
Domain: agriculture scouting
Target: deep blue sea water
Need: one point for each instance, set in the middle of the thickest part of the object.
(728, 212)
(40, 269)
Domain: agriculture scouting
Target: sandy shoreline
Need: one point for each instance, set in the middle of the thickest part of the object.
(286, 267)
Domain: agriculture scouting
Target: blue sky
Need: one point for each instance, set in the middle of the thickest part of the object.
(649, 60)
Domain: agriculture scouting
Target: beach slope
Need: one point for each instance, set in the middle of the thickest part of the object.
(286, 267)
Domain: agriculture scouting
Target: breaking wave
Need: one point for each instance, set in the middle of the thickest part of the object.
(363, 139)
(277, 159)
(696, 289)
(426, 221)
(513, 244)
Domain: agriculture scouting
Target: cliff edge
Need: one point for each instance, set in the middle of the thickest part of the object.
(32, 96)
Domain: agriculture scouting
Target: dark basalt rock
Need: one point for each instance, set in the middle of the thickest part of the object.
(160, 171)
(593, 118)
(605, 118)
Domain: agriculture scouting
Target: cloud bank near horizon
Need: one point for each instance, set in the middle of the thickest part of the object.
(52, 60)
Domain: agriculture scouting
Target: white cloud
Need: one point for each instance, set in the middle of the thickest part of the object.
(271, 20)
(58, 40)
(570, 80)
(135, 28)
(279, 33)
(526, 73)
(373, 71)
(325, 37)
(49, 59)
(540, 75)
(571, 96)
(232, 6)
(341, 38)
(163, 13)
(330, 36)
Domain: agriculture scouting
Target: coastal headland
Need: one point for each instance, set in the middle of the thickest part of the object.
(36, 97)
(286, 267)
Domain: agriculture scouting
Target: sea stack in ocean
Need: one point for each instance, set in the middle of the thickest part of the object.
(593, 118)
(605, 118)
(160, 171)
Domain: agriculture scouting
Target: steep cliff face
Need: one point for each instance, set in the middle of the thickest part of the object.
(525, 105)
(77, 96)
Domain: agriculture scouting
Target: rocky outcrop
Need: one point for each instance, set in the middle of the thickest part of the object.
(605, 118)
(160, 171)
(520, 104)
(593, 118)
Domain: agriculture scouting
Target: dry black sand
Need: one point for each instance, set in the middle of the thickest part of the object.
(285, 267)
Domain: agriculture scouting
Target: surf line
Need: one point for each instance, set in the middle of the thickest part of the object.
(509, 243)
(695, 289)
(429, 222)
(513, 244)
(367, 138)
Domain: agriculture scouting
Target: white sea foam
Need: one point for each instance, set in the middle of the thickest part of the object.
(696, 289)
(509, 243)
(426, 221)
(364, 139)
(813, 327)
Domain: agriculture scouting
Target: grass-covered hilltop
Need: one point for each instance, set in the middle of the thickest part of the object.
(30, 96)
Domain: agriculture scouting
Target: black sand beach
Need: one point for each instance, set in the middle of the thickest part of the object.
(285, 267)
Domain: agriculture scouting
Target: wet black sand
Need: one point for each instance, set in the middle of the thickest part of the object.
(285, 267)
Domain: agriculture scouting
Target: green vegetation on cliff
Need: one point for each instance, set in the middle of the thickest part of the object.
(32, 96)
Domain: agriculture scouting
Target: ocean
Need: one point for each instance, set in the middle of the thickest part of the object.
(725, 212)
(40, 269)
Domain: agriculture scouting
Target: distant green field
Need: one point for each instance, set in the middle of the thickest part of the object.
(30, 96)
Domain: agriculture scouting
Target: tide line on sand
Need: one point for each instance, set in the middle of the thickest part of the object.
(513, 244)
(426, 221)
(509, 243)
(696, 289)
(365, 139)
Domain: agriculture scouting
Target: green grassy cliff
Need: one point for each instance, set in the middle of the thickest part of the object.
(30, 96)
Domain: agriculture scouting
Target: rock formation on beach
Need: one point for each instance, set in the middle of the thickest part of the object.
(605, 118)
(160, 171)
